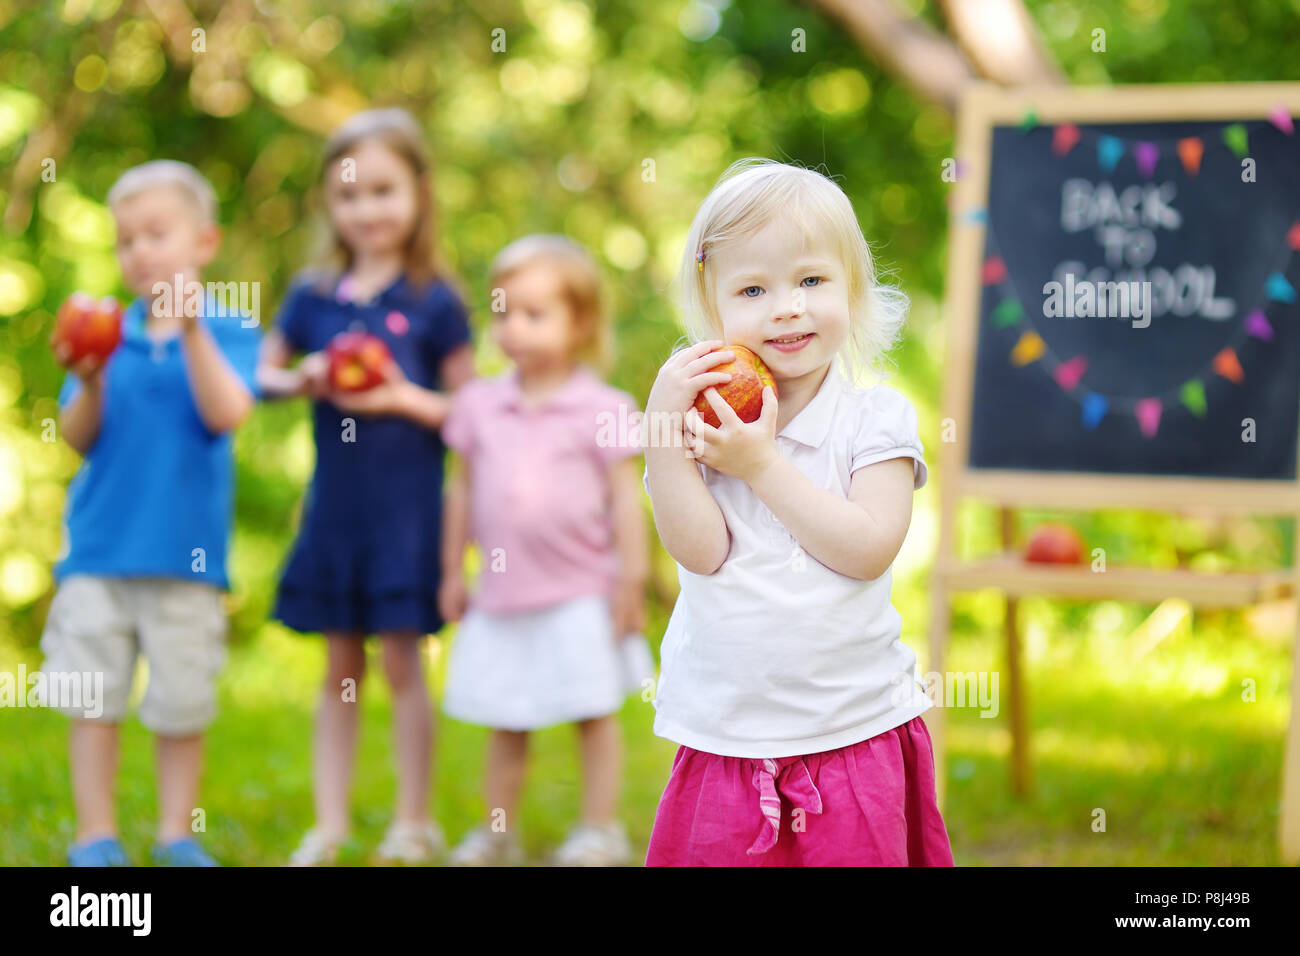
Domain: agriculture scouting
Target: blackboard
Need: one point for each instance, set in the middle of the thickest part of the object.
(1207, 360)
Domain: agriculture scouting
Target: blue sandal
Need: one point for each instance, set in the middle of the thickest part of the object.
(106, 851)
(182, 852)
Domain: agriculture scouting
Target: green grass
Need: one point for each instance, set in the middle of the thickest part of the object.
(1186, 772)
(256, 790)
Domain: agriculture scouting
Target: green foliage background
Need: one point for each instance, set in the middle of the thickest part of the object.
(554, 135)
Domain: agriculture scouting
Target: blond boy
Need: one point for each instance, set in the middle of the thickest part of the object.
(148, 514)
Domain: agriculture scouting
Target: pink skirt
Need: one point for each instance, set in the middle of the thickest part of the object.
(867, 804)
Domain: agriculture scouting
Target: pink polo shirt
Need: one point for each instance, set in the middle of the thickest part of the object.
(539, 486)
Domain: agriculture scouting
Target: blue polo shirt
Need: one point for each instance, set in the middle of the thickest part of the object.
(154, 496)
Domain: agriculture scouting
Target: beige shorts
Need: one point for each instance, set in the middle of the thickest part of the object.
(96, 628)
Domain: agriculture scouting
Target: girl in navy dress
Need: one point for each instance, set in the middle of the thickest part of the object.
(366, 557)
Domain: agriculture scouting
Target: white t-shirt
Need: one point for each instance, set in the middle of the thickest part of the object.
(775, 654)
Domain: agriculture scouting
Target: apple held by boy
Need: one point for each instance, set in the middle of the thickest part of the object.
(358, 361)
(744, 393)
(87, 328)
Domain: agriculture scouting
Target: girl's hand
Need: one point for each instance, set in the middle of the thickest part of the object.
(315, 371)
(685, 375)
(628, 607)
(453, 599)
(388, 398)
(736, 448)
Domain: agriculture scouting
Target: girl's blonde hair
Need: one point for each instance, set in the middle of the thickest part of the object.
(580, 286)
(752, 193)
(398, 130)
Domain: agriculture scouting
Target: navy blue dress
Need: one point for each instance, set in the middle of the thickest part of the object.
(367, 553)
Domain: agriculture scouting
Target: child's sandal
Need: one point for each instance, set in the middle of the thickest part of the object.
(412, 843)
(316, 849)
(484, 847)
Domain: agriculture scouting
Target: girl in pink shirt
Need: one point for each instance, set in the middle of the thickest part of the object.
(547, 485)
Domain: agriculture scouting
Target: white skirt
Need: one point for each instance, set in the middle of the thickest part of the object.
(532, 669)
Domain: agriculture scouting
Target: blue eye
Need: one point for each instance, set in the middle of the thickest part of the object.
(745, 291)
(816, 280)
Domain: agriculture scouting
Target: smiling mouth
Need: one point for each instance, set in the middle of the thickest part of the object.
(787, 339)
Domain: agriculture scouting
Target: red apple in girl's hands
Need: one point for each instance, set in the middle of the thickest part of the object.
(86, 328)
(744, 393)
(358, 361)
(1055, 544)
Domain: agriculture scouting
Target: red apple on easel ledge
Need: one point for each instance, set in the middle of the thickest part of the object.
(744, 393)
(87, 328)
(1055, 544)
(358, 361)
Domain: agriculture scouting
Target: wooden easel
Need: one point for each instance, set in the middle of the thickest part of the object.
(983, 107)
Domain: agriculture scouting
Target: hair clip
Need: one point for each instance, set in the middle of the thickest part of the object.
(699, 258)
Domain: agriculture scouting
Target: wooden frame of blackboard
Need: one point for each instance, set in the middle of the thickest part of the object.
(983, 107)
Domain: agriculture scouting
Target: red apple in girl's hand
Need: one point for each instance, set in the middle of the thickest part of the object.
(87, 327)
(744, 393)
(1055, 544)
(358, 361)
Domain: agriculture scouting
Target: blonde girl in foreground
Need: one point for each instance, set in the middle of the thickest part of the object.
(785, 680)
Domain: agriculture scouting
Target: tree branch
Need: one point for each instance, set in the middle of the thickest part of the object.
(906, 46)
(995, 39)
(1003, 42)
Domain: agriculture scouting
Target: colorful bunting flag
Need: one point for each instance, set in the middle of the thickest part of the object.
(1148, 415)
(1234, 134)
(1146, 155)
(1094, 407)
(1190, 150)
(1109, 150)
(1067, 374)
(1193, 396)
(1008, 312)
(1277, 288)
(1030, 348)
(1280, 117)
(1064, 138)
(994, 271)
(1029, 122)
(1257, 325)
(1226, 364)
